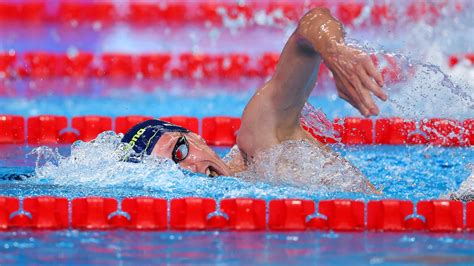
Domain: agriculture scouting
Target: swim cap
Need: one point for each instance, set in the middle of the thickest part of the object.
(143, 137)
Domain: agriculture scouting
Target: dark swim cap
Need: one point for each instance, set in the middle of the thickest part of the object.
(143, 137)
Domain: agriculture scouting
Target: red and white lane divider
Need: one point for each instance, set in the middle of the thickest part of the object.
(222, 130)
(40, 65)
(240, 214)
(43, 65)
(215, 13)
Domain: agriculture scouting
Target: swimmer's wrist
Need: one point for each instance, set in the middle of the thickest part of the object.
(331, 48)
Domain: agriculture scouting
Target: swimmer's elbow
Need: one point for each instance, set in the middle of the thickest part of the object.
(315, 16)
(317, 11)
(316, 27)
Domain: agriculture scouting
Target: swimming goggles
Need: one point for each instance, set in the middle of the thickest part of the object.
(180, 150)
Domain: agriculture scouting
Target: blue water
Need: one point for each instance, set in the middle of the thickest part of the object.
(415, 173)
(229, 248)
(200, 104)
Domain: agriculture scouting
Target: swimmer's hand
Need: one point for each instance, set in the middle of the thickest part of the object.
(356, 77)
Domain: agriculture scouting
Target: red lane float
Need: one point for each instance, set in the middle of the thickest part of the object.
(92, 212)
(154, 65)
(343, 215)
(220, 130)
(33, 11)
(348, 12)
(76, 65)
(143, 13)
(191, 213)
(47, 212)
(444, 132)
(393, 131)
(442, 215)
(190, 123)
(290, 214)
(215, 13)
(469, 127)
(8, 205)
(91, 126)
(118, 66)
(245, 214)
(12, 129)
(469, 216)
(268, 63)
(207, 66)
(73, 13)
(146, 213)
(124, 123)
(355, 130)
(44, 129)
(388, 215)
(7, 61)
(41, 65)
(381, 14)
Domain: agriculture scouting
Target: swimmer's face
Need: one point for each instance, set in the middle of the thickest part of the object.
(200, 158)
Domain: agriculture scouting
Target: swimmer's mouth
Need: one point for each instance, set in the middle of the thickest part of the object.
(211, 172)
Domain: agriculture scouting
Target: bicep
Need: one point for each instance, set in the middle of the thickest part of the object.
(295, 75)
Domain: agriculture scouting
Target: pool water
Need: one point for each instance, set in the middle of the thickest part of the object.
(230, 248)
(432, 89)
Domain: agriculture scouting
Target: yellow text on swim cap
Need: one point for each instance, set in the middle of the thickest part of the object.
(135, 137)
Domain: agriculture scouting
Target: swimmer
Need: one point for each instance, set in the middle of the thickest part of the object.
(272, 116)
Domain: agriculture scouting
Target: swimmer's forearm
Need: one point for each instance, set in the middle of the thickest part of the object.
(319, 30)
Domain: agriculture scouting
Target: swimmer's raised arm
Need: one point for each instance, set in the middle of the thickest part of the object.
(272, 115)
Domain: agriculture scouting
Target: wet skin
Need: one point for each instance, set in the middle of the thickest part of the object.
(200, 159)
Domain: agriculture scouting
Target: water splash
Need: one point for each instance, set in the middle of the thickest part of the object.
(424, 90)
(417, 89)
(466, 189)
(304, 164)
(316, 120)
(98, 162)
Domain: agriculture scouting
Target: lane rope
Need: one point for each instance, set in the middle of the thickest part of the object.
(240, 214)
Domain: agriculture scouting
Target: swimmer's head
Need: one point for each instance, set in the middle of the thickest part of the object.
(189, 150)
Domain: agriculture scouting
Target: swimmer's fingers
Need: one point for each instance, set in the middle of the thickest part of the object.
(373, 72)
(365, 97)
(371, 85)
(347, 92)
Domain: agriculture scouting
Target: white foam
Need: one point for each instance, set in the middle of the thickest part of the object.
(466, 189)
(98, 162)
(305, 165)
